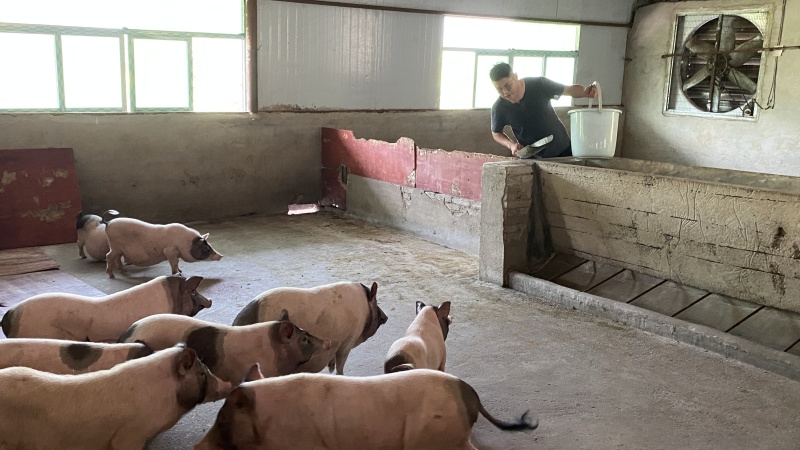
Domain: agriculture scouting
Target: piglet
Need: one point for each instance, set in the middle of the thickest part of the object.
(92, 234)
(120, 408)
(423, 346)
(65, 357)
(279, 348)
(102, 319)
(417, 409)
(346, 313)
(146, 244)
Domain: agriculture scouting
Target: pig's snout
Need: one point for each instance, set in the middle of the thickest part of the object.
(383, 317)
(215, 257)
(216, 389)
(204, 302)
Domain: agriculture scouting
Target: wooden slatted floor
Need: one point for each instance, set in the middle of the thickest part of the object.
(767, 326)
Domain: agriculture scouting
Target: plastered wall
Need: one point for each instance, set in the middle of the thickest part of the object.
(767, 145)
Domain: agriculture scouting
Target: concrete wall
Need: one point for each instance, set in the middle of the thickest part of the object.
(740, 241)
(767, 145)
(184, 166)
(187, 166)
(450, 221)
(673, 222)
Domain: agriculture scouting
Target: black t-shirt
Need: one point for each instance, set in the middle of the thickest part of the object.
(533, 118)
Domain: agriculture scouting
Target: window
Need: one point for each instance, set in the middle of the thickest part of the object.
(716, 65)
(471, 46)
(122, 55)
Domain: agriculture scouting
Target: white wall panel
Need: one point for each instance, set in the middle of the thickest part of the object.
(601, 57)
(326, 57)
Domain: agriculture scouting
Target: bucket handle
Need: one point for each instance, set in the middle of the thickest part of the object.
(599, 98)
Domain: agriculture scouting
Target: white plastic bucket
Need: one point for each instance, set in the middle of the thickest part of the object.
(593, 132)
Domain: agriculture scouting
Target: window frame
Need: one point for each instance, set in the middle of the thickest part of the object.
(511, 54)
(127, 73)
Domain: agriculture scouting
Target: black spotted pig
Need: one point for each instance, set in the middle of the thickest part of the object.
(146, 244)
(417, 409)
(423, 346)
(102, 319)
(120, 408)
(346, 313)
(279, 348)
(65, 357)
(92, 234)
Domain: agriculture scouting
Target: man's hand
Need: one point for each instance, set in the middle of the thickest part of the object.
(578, 91)
(590, 91)
(515, 147)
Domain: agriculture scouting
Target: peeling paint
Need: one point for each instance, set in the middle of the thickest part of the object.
(61, 173)
(8, 178)
(454, 189)
(52, 213)
(36, 199)
(47, 181)
(412, 178)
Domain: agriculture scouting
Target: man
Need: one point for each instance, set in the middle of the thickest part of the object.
(525, 106)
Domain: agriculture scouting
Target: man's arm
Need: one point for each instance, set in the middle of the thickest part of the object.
(503, 140)
(578, 91)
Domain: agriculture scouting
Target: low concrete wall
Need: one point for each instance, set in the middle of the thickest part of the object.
(198, 166)
(667, 221)
(450, 221)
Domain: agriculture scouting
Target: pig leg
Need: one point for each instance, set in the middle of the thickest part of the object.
(172, 255)
(341, 358)
(110, 262)
(80, 250)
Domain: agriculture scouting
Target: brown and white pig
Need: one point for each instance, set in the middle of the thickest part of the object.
(102, 319)
(417, 409)
(146, 244)
(92, 234)
(120, 408)
(65, 357)
(346, 313)
(278, 347)
(423, 346)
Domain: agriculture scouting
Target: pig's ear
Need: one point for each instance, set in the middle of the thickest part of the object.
(240, 399)
(192, 283)
(420, 305)
(287, 330)
(443, 310)
(284, 316)
(253, 374)
(373, 291)
(204, 237)
(185, 361)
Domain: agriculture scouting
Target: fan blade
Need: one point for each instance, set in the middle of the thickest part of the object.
(727, 36)
(744, 51)
(742, 80)
(703, 49)
(701, 75)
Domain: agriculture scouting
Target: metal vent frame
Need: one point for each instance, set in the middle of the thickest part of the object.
(680, 105)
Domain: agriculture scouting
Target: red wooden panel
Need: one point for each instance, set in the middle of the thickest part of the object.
(393, 163)
(454, 172)
(39, 197)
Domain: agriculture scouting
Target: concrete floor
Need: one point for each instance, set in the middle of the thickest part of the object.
(592, 383)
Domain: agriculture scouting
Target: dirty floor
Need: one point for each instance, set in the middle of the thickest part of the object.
(592, 384)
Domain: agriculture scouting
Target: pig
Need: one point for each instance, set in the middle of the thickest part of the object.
(102, 319)
(423, 346)
(65, 357)
(146, 244)
(119, 408)
(278, 347)
(418, 409)
(346, 313)
(92, 234)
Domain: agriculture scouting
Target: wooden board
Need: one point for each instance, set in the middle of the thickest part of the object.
(39, 197)
(24, 260)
